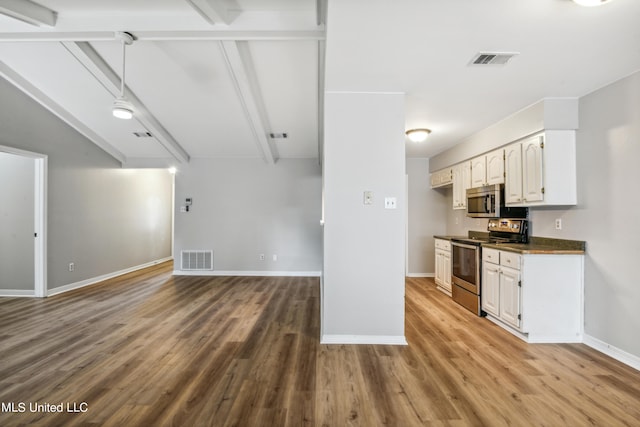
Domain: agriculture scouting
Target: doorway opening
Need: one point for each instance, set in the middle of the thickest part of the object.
(24, 223)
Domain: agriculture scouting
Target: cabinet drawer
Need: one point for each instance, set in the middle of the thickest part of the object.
(445, 245)
(509, 259)
(491, 255)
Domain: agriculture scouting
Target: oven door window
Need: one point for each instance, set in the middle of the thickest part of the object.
(464, 263)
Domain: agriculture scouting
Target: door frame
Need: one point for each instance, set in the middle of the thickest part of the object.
(40, 217)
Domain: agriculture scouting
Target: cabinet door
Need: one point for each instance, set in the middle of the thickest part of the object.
(479, 171)
(495, 167)
(439, 270)
(513, 173)
(532, 178)
(459, 193)
(490, 294)
(446, 271)
(510, 296)
(435, 179)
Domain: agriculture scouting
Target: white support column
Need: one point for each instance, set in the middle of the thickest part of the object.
(364, 237)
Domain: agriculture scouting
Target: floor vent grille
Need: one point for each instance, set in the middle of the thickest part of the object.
(197, 260)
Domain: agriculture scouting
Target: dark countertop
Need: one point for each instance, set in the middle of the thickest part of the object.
(536, 245)
(542, 245)
(448, 237)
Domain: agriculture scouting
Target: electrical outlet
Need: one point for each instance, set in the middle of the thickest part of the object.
(558, 224)
(261, 257)
(368, 198)
(72, 266)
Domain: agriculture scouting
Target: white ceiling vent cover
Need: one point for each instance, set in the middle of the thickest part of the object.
(197, 260)
(492, 58)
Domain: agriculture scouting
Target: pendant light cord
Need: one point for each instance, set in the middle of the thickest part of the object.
(124, 46)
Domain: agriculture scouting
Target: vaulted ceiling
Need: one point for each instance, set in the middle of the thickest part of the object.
(215, 78)
(207, 78)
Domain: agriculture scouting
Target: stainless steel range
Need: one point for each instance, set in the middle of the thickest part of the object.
(466, 257)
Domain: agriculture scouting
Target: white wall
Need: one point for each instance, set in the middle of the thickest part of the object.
(244, 207)
(426, 217)
(364, 245)
(102, 218)
(17, 179)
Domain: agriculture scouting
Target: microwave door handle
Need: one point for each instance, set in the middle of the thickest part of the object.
(486, 204)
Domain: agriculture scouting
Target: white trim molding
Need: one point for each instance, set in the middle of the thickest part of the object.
(247, 273)
(364, 339)
(94, 280)
(11, 293)
(614, 352)
(421, 275)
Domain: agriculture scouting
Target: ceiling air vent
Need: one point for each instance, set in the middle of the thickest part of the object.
(492, 58)
(143, 134)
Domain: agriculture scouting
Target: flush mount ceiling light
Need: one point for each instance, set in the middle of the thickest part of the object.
(591, 3)
(418, 135)
(122, 108)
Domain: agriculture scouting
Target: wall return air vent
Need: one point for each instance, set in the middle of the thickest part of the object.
(196, 260)
(492, 58)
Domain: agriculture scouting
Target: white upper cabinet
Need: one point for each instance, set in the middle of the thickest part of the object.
(461, 182)
(479, 171)
(488, 169)
(532, 180)
(441, 178)
(541, 170)
(495, 167)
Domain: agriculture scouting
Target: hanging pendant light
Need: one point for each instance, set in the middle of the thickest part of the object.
(122, 108)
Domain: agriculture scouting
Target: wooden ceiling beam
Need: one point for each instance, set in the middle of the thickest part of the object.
(215, 11)
(40, 97)
(29, 12)
(242, 71)
(89, 58)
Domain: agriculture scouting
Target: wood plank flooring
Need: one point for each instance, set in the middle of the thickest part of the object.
(149, 349)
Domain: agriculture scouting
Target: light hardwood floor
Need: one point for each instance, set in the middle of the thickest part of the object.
(149, 349)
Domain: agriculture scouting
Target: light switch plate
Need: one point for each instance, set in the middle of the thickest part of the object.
(389, 202)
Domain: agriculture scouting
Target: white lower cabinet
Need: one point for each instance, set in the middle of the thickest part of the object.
(539, 297)
(510, 296)
(490, 295)
(443, 266)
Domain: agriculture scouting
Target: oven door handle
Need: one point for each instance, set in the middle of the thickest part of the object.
(462, 245)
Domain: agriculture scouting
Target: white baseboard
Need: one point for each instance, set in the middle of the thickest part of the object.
(616, 353)
(421, 275)
(17, 293)
(364, 339)
(247, 273)
(94, 280)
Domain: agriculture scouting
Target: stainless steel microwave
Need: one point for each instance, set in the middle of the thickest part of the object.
(484, 202)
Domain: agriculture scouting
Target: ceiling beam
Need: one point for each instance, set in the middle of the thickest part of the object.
(215, 11)
(29, 12)
(92, 36)
(94, 63)
(242, 71)
(321, 12)
(21, 83)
